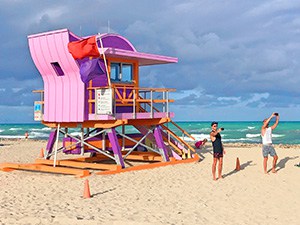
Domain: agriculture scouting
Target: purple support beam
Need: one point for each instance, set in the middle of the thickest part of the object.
(112, 136)
(51, 141)
(160, 143)
(144, 131)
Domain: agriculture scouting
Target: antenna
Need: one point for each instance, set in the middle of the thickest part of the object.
(108, 27)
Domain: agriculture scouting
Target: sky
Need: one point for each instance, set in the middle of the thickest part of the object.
(237, 60)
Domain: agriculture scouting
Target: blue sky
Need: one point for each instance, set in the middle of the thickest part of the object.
(238, 60)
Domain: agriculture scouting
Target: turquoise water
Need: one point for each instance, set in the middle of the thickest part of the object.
(245, 132)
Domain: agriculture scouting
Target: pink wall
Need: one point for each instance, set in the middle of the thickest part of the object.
(64, 95)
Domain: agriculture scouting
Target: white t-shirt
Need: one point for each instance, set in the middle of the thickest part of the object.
(267, 138)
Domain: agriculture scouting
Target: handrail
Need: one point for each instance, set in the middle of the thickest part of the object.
(174, 135)
(137, 88)
(175, 124)
(175, 147)
(37, 91)
(180, 140)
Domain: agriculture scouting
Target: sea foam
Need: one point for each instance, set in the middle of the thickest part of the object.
(252, 135)
(18, 128)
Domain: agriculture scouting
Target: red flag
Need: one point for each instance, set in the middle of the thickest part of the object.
(84, 48)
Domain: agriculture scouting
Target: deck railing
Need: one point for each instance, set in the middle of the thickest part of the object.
(39, 106)
(133, 97)
(129, 96)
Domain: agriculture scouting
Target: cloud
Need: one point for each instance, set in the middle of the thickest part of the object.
(274, 7)
(230, 54)
(257, 100)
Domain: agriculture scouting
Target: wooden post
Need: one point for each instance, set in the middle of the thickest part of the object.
(134, 105)
(123, 138)
(56, 144)
(81, 140)
(151, 110)
(104, 59)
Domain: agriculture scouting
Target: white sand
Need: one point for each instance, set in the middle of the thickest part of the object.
(180, 194)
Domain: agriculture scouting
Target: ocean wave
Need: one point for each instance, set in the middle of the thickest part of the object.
(241, 130)
(75, 133)
(251, 128)
(258, 135)
(199, 136)
(13, 128)
(1, 130)
(196, 130)
(206, 129)
(37, 135)
(188, 139)
(241, 140)
(40, 129)
(252, 135)
(46, 128)
(35, 129)
(12, 136)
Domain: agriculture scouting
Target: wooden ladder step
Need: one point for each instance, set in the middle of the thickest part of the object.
(70, 163)
(44, 168)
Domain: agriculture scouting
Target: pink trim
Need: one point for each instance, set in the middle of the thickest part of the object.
(47, 33)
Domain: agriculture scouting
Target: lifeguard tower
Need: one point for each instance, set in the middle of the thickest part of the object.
(94, 104)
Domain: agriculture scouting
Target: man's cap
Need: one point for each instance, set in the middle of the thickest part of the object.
(213, 123)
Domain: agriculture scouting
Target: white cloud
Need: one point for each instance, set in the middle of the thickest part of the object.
(227, 50)
(234, 99)
(274, 6)
(16, 90)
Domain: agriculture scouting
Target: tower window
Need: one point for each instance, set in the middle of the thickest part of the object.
(121, 72)
(58, 70)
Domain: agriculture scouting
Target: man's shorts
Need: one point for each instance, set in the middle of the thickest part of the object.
(218, 155)
(268, 149)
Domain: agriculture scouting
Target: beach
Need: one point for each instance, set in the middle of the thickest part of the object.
(179, 194)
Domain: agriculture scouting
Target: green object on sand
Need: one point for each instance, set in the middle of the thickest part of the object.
(298, 165)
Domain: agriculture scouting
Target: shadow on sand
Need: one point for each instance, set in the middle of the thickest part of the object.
(243, 166)
(103, 192)
(201, 152)
(281, 164)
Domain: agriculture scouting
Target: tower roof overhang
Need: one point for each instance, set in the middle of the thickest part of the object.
(144, 59)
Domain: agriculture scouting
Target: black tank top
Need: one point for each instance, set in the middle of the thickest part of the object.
(217, 144)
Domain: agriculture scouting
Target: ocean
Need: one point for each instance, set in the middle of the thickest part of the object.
(235, 132)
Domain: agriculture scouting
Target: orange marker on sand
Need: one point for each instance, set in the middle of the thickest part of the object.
(238, 166)
(86, 192)
(42, 153)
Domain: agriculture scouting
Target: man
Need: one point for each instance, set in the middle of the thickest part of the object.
(267, 148)
(218, 149)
